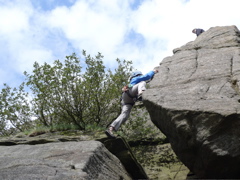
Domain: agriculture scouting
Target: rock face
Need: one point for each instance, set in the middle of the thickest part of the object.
(100, 161)
(58, 161)
(195, 101)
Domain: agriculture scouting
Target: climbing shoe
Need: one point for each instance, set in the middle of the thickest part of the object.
(109, 133)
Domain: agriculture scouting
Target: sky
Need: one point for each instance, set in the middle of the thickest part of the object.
(141, 31)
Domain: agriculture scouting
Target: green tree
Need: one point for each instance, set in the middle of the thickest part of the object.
(54, 89)
(15, 109)
(63, 94)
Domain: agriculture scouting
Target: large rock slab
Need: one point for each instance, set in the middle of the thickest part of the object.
(194, 100)
(58, 161)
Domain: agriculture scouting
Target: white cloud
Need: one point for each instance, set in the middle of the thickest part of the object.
(96, 27)
(144, 34)
(13, 20)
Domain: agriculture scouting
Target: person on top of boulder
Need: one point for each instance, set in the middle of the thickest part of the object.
(197, 31)
(130, 94)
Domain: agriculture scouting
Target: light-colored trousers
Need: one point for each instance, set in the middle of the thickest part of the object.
(128, 103)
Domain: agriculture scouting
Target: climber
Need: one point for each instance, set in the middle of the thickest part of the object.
(197, 31)
(130, 94)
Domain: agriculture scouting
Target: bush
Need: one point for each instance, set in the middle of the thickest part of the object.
(66, 94)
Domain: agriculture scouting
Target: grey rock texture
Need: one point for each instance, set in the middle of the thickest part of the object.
(118, 147)
(60, 161)
(195, 101)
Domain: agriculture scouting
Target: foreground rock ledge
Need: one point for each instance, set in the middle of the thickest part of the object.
(58, 161)
(194, 101)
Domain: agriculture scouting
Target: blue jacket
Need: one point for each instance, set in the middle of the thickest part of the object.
(145, 77)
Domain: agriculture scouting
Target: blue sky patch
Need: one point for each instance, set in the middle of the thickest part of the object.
(136, 3)
(48, 5)
(135, 38)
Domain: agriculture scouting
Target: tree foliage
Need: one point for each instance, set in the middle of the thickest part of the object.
(14, 109)
(71, 92)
